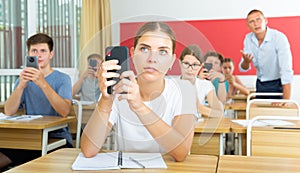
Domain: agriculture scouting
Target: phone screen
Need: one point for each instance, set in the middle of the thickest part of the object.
(120, 53)
(93, 64)
(208, 66)
(32, 61)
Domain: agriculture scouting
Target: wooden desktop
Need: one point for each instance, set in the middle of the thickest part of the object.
(62, 160)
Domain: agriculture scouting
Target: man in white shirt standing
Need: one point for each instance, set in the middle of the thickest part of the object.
(269, 51)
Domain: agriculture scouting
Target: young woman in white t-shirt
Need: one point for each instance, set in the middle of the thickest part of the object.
(154, 114)
(190, 65)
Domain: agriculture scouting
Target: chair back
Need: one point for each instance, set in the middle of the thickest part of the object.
(253, 95)
(262, 107)
(75, 127)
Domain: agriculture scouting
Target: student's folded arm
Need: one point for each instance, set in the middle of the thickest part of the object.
(97, 129)
(13, 102)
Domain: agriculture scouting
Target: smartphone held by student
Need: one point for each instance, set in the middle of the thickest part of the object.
(120, 53)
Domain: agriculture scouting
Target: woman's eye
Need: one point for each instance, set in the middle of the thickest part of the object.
(163, 52)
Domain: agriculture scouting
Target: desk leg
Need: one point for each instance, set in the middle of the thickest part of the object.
(222, 144)
(45, 146)
(44, 142)
(235, 114)
(240, 144)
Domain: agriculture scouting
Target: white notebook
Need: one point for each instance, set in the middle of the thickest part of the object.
(118, 160)
(264, 123)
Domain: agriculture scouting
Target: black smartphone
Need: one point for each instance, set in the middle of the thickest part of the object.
(208, 66)
(120, 53)
(93, 64)
(32, 61)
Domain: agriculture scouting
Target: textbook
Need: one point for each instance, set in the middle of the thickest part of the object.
(118, 160)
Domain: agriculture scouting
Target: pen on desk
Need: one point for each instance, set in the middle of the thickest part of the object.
(13, 116)
(23, 117)
(287, 128)
(137, 162)
(120, 158)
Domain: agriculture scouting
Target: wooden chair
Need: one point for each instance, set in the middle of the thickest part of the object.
(264, 107)
(279, 141)
(253, 95)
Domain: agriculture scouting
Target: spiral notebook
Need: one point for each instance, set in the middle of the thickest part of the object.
(119, 160)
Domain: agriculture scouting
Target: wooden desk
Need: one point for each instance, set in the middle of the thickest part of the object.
(269, 141)
(257, 164)
(240, 144)
(267, 109)
(209, 136)
(62, 160)
(32, 135)
(2, 107)
(87, 111)
(238, 98)
(239, 109)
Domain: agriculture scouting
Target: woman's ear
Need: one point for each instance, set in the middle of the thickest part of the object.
(131, 52)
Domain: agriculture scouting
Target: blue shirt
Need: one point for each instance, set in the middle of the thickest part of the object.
(216, 83)
(272, 59)
(36, 103)
(34, 100)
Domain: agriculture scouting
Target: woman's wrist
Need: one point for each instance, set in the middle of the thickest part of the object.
(105, 105)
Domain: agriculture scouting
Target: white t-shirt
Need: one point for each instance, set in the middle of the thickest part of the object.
(203, 88)
(177, 98)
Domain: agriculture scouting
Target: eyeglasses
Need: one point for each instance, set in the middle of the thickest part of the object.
(193, 66)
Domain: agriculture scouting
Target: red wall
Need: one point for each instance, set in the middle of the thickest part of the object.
(224, 36)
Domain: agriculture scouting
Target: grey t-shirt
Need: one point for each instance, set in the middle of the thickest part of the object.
(89, 90)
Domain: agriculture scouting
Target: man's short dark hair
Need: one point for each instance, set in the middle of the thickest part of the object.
(214, 54)
(40, 38)
(255, 11)
(98, 56)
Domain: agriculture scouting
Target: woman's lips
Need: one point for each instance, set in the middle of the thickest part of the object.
(150, 69)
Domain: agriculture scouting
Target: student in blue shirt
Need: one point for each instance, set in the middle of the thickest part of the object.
(42, 91)
(269, 51)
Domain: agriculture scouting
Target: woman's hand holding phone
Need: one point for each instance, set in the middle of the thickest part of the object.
(106, 72)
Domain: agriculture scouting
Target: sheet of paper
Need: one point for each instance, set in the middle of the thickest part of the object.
(149, 160)
(104, 161)
(3, 116)
(264, 123)
(19, 117)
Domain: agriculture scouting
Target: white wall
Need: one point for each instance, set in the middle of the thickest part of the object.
(172, 10)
